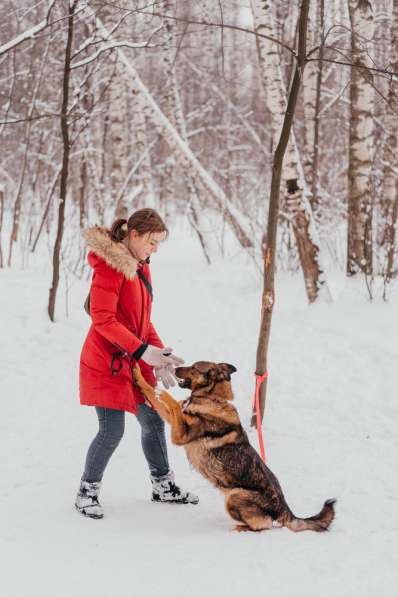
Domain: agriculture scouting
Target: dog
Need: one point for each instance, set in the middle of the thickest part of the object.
(209, 428)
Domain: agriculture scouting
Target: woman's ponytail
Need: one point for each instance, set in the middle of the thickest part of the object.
(142, 221)
(118, 230)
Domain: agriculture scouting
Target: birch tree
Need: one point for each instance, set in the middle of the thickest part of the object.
(310, 96)
(1, 222)
(27, 139)
(118, 137)
(389, 203)
(361, 145)
(296, 199)
(117, 115)
(175, 113)
(142, 151)
(312, 102)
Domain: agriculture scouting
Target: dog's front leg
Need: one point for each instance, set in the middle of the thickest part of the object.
(144, 386)
(184, 428)
(150, 394)
(175, 417)
(178, 426)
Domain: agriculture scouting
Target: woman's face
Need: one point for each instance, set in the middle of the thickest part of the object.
(142, 246)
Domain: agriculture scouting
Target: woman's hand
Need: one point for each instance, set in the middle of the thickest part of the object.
(160, 357)
(166, 375)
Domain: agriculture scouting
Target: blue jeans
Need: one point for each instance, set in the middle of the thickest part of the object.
(111, 429)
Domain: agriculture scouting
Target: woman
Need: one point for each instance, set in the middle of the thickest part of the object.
(121, 335)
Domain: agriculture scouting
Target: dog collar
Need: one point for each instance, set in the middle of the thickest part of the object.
(186, 403)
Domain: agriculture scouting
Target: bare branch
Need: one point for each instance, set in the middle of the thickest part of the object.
(30, 34)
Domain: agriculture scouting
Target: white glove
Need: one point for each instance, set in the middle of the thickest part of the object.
(160, 357)
(166, 376)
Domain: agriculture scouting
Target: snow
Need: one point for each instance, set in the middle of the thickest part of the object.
(329, 429)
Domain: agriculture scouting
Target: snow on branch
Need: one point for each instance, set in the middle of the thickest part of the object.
(110, 46)
(235, 110)
(175, 140)
(29, 34)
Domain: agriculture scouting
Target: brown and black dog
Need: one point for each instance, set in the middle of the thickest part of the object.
(209, 428)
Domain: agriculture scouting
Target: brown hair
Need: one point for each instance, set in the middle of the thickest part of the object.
(143, 221)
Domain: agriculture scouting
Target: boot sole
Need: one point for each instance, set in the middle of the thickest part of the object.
(178, 502)
(94, 516)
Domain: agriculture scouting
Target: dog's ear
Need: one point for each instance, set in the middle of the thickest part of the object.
(226, 370)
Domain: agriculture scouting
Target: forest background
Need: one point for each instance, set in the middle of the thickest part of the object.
(265, 133)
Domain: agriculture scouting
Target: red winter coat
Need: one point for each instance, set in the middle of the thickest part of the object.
(120, 309)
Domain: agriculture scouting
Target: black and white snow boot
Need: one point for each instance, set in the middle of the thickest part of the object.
(165, 490)
(87, 500)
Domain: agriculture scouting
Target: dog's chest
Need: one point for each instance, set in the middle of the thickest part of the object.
(197, 454)
(202, 458)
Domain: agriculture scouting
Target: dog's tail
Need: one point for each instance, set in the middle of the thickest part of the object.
(320, 522)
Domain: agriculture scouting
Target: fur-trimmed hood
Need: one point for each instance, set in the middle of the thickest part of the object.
(114, 254)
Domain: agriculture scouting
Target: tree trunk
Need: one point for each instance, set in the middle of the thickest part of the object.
(310, 95)
(117, 117)
(27, 139)
(118, 130)
(65, 163)
(142, 152)
(389, 205)
(312, 101)
(175, 113)
(361, 148)
(1, 224)
(315, 163)
(46, 210)
(268, 296)
(296, 196)
(82, 191)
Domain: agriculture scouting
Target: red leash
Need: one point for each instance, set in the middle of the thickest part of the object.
(256, 405)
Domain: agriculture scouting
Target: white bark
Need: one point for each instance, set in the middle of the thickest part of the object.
(390, 159)
(175, 113)
(119, 139)
(361, 150)
(117, 115)
(142, 151)
(296, 195)
(310, 80)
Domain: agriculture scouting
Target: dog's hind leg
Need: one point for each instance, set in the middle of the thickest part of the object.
(248, 507)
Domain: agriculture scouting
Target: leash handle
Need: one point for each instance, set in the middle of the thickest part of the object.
(256, 405)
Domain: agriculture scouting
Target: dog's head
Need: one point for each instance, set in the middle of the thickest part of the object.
(204, 375)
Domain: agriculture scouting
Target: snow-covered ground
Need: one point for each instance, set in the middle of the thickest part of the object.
(330, 431)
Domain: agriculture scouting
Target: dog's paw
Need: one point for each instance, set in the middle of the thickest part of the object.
(241, 528)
